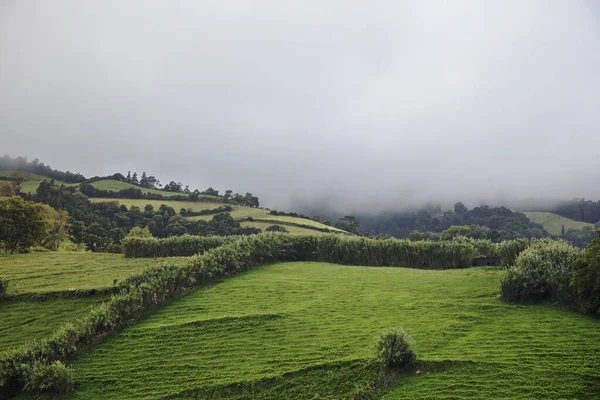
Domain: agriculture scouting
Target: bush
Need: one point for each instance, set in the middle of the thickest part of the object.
(175, 246)
(50, 380)
(3, 287)
(276, 228)
(542, 272)
(394, 349)
(586, 278)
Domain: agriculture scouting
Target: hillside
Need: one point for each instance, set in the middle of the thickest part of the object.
(115, 185)
(260, 216)
(32, 181)
(553, 223)
(306, 330)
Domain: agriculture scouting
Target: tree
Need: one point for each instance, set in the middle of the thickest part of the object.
(128, 176)
(227, 196)
(57, 227)
(348, 224)
(460, 208)
(6, 189)
(211, 192)
(134, 179)
(22, 223)
(144, 180)
(455, 231)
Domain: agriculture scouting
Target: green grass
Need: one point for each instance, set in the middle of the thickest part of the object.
(61, 271)
(237, 213)
(23, 321)
(32, 181)
(307, 330)
(296, 230)
(114, 186)
(553, 223)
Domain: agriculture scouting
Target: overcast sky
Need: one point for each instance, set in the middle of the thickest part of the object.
(355, 102)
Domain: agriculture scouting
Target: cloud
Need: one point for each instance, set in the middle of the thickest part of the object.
(357, 104)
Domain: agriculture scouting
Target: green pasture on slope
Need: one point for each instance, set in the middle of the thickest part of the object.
(61, 271)
(553, 223)
(307, 330)
(32, 181)
(114, 186)
(238, 212)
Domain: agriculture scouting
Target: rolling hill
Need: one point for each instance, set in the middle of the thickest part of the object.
(260, 216)
(553, 223)
(32, 181)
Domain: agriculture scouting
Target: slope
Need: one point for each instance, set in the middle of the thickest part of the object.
(553, 223)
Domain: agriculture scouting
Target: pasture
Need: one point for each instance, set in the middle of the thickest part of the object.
(32, 181)
(238, 212)
(553, 223)
(114, 186)
(40, 279)
(306, 330)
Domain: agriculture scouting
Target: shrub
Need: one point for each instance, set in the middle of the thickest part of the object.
(394, 349)
(138, 232)
(3, 287)
(50, 380)
(542, 272)
(509, 250)
(586, 278)
(276, 228)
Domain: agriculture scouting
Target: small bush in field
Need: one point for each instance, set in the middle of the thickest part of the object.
(394, 348)
(50, 380)
(276, 228)
(3, 287)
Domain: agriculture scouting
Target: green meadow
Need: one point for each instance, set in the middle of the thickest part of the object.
(553, 223)
(306, 330)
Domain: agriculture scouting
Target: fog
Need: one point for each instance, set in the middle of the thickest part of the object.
(359, 105)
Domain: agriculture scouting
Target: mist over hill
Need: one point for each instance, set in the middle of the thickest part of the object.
(359, 105)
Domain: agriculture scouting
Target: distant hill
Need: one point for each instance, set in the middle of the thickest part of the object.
(250, 216)
(553, 223)
(115, 185)
(32, 181)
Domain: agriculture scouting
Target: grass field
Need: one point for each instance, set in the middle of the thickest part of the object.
(41, 273)
(52, 271)
(114, 186)
(23, 321)
(306, 330)
(553, 223)
(237, 213)
(32, 181)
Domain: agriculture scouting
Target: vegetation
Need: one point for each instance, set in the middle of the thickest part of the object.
(542, 272)
(580, 210)
(306, 330)
(54, 379)
(276, 228)
(586, 278)
(494, 223)
(395, 349)
(179, 246)
(22, 223)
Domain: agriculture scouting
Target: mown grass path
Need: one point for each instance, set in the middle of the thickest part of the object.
(238, 338)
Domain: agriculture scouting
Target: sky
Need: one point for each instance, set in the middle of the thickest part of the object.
(352, 105)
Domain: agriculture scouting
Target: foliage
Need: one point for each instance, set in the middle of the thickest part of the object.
(276, 228)
(50, 380)
(348, 224)
(509, 250)
(494, 223)
(22, 223)
(586, 278)
(35, 166)
(137, 232)
(394, 349)
(580, 210)
(455, 231)
(57, 227)
(542, 272)
(190, 213)
(6, 189)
